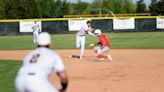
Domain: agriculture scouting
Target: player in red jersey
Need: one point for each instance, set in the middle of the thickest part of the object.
(102, 46)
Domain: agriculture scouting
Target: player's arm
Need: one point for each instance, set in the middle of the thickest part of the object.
(64, 81)
(94, 44)
(61, 72)
(90, 32)
(103, 43)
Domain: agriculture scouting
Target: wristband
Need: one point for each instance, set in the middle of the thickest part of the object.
(64, 85)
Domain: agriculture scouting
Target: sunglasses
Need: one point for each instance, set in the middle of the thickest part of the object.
(89, 22)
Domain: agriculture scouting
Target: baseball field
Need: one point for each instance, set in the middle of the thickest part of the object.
(138, 62)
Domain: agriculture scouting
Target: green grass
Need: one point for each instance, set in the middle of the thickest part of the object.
(8, 71)
(141, 40)
(134, 40)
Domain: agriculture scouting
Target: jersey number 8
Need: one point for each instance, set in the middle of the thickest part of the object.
(34, 58)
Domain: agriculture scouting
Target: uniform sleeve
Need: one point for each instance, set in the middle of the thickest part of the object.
(85, 28)
(27, 58)
(58, 66)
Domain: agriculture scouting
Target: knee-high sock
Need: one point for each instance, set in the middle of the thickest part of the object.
(101, 56)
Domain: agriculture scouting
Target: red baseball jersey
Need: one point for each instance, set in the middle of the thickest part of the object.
(104, 40)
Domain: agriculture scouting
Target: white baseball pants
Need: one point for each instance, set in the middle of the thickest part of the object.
(33, 83)
(98, 49)
(80, 43)
(35, 35)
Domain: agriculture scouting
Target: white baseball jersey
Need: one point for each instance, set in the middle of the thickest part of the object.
(83, 30)
(37, 66)
(36, 27)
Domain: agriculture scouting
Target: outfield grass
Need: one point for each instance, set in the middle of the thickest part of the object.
(141, 40)
(134, 40)
(8, 71)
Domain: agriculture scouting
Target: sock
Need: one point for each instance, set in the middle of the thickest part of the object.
(102, 56)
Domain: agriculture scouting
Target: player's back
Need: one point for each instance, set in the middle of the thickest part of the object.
(41, 61)
(103, 40)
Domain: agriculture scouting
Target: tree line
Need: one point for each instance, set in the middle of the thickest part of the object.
(22, 9)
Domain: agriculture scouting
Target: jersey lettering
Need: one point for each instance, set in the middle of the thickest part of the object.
(34, 58)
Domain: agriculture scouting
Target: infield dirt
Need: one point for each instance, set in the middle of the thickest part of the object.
(132, 70)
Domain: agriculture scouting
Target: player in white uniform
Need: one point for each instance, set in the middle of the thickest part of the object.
(80, 38)
(36, 30)
(38, 65)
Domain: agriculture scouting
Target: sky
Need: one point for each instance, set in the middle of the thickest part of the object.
(146, 1)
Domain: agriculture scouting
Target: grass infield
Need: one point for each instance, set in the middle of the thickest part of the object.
(8, 71)
(136, 40)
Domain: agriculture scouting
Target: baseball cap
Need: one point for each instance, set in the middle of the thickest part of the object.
(44, 38)
(89, 21)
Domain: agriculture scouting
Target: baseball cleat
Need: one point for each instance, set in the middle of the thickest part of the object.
(109, 58)
(70, 56)
(74, 56)
(81, 57)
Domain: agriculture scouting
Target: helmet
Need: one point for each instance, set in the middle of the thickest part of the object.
(97, 31)
(43, 39)
(89, 20)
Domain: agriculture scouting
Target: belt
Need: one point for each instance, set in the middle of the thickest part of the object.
(31, 74)
(82, 35)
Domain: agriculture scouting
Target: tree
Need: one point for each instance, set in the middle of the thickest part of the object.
(10, 9)
(27, 9)
(69, 8)
(160, 7)
(129, 7)
(45, 7)
(81, 7)
(1, 9)
(153, 7)
(96, 7)
(59, 8)
(141, 7)
(116, 6)
(66, 6)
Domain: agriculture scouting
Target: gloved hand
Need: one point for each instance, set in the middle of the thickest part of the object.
(91, 45)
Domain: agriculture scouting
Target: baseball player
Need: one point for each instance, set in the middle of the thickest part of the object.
(36, 29)
(80, 38)
(102, 46)
(38, 65)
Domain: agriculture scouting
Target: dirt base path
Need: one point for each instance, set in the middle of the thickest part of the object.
(133, 70)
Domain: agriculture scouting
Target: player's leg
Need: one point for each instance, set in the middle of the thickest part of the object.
(38, 84)
(96, 48)
(19, 83)
(77, 46)
(77, 41)
(104, 50)
(34, 40)
(100, 53)
(35, 35)
(82, 45)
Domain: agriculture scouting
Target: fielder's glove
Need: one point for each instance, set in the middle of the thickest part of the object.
(91, 45)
